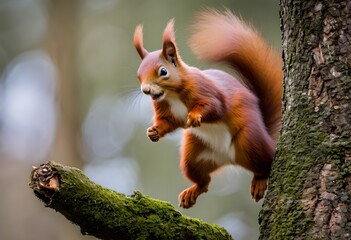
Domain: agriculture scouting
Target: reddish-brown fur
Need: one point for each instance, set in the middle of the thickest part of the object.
(205, 101)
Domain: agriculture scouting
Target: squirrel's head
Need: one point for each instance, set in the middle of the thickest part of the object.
(159, 71)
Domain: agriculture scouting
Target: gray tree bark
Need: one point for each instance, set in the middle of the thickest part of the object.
(310, 186)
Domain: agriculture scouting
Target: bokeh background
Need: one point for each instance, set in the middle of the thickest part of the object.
(69, 93)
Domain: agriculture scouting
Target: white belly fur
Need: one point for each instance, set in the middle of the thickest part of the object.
(215, 135)
(219, 141)
(178, 108)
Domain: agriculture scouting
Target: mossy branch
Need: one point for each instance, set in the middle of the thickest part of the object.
(106, 214)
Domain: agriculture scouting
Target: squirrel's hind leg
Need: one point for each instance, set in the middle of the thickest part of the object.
(196, 167)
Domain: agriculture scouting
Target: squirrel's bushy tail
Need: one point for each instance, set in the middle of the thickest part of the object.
(223, 37)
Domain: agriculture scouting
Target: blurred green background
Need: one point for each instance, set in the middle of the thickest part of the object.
(69, 93)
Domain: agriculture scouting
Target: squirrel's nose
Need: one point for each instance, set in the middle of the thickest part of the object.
(145, 89)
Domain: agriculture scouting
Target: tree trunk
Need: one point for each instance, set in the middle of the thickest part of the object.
(106, 214)
(309, 192)
(60, 45)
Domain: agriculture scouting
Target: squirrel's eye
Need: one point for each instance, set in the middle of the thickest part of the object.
(162, 72)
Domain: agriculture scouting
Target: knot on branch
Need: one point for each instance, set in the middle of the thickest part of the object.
(45, 181)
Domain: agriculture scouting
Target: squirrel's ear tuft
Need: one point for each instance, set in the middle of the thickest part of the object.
(168, 34)
(138, 41)
(169, 49)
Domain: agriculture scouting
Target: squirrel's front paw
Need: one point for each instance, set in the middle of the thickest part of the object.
(194, 120)
(152, 133)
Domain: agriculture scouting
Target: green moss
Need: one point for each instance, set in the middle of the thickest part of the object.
(295, 160)
(303, 149)
(107, 214)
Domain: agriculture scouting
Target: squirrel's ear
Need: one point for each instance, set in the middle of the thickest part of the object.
(138, 41)
(169, 49)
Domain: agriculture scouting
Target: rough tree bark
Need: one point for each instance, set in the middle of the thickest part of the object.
(309, 191)
(106, 214)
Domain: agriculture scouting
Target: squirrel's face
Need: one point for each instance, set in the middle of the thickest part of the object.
(157, 76)
(159, 71)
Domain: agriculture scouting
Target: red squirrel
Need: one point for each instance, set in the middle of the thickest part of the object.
(226, 120)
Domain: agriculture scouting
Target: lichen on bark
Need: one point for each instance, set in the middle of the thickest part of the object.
(107, 214)
(309, 192)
